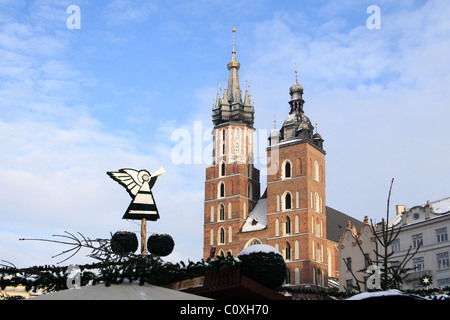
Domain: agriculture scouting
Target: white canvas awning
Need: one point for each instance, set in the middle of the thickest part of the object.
(124, 291)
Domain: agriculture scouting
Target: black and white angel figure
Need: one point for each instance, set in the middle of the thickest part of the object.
(139, 185)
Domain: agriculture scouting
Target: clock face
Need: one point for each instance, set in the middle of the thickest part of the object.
(416, 216)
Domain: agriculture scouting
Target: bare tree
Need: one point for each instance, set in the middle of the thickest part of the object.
(392, 272)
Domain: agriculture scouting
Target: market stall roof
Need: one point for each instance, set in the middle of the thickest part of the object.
(124, 291)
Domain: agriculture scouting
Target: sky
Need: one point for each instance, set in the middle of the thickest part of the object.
(132, 86)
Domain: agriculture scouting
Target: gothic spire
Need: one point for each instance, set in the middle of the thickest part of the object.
(234, 89)
(231, 107)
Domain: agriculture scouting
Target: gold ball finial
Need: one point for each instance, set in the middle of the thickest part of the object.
(234, 30)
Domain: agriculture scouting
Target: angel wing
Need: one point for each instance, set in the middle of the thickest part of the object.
(127, 178)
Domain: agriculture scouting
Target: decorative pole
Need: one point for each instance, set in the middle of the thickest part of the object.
(143, 236)
(139, 185)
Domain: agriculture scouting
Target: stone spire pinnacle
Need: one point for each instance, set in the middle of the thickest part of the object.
(234, 89)
(232, 108)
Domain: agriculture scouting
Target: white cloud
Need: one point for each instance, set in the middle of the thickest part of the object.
(55, 154)
(380, 97)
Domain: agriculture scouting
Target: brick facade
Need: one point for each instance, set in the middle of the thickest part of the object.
(291, 214)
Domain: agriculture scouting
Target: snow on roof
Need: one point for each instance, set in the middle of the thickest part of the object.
(366, 295)
(257, 218)
(265, 248)
(441, 206)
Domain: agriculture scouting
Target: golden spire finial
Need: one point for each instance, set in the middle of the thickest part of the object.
(296, 72)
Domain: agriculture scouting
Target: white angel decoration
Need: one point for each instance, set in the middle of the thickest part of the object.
(139, 185)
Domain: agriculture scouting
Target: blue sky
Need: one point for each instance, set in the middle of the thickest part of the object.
(77, 103)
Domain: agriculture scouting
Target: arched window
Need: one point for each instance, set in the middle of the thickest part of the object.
(221, 236)
(252, 242)
(222, 169)
(297, 275)
(237, 142)
(288, 251)
(299, 165)
(286, 170)
(288, 225)
(316, 171)
(223, 141)
(288, 276)
(221, 190)
(316, 202)
(221, 212)
(287, 201)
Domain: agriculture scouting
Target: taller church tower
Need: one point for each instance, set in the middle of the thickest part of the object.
(232, 184)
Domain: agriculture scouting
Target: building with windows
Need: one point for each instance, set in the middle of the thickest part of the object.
(357, 249)
(424, 227)
(291, 214)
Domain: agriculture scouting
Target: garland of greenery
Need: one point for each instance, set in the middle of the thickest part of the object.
(112, 269)
(150, 269)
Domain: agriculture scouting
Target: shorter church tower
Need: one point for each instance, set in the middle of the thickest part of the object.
(296, 217)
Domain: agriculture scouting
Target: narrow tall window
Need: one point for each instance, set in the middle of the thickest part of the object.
(316, 202)
(288, 225)
(223, 141)
(222, 169)
(288, 201)
(288, 251)
(221, 190)
(222, 236)
(237, 142)
(349, 264)
(222, 213)
(287, 170)
(316, 171)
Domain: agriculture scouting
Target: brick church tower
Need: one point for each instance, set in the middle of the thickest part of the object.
(291, 213)
(296, 219)
(232, 185)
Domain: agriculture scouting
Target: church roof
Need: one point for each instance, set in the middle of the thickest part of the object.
(336, 222)
(257, 218)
